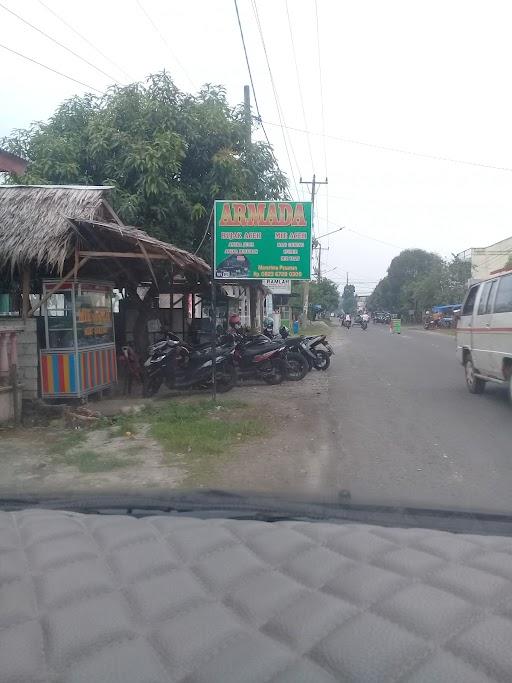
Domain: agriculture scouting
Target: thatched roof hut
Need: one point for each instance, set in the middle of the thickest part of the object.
(45, 225)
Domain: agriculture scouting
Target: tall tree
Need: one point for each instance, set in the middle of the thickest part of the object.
(348, 299)
(325, 294)
(167, 153)
(418, 280)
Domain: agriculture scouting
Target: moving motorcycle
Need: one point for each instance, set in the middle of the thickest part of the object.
(181, 366)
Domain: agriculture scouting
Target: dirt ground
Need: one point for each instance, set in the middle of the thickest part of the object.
(290, 416)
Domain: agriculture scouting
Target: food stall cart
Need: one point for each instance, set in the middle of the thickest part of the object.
(80, 354)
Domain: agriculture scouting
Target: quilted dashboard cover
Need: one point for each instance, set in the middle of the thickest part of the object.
(86, 598)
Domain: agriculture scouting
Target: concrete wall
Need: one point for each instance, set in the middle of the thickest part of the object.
(28, 359)
(7, 404)
(486, 260)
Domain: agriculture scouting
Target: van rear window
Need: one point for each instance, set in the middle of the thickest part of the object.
(469, 304)
(503, 303)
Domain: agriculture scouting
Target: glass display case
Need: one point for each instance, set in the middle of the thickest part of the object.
(80, 356)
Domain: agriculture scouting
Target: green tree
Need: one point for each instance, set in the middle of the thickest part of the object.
(325, 294)
(348, 299)
(167, 153)
(418, 280)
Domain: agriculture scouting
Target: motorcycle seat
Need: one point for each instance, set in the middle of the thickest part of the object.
(257, 349)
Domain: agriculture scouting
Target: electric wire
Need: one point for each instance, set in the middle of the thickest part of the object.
(49, 68)
(86, 40)
(320, 82)
(206, 231)
(301, 97)
(249, 70)
(164, 41)
(397, 150)
(276, 98)
(57, 42)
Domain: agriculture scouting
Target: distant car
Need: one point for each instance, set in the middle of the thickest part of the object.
(484, 333)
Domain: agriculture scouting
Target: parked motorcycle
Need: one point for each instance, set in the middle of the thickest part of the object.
(181, 366)
(258, 356)
(321, 350)
(299, 357)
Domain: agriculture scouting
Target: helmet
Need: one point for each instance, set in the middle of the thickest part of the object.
(268, 323)
(234, 320)
(284, 331)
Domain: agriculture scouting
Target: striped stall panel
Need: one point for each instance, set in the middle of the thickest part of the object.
(98, 368)
(58, 374)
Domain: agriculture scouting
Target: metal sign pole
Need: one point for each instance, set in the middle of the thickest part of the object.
(214, 317)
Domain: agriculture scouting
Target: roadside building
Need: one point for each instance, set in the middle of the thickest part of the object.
(487, 260)
(77, 285)
(12, 163)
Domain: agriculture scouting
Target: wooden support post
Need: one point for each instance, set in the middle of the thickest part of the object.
(25, 292)
(72, 273)
(13, 381)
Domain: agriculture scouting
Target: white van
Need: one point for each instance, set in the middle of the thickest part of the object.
(484, 333)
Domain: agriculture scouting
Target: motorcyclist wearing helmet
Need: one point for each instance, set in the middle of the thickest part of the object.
(268, 328)
(235, 324)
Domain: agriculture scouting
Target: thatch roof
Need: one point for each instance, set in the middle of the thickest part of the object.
(43, 224)
(34, 227)
(103, 236)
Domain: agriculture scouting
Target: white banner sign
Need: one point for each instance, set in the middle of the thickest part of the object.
(278, 286)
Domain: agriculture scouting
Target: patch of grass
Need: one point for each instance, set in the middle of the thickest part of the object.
(200, 434)
(122, 425)
(68, 441)
(89, 461)
(200, 427)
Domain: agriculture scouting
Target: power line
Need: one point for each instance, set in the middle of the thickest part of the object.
(260, 120)
(57, 42)
(368, 237)
(396, 150)
(49, 68)
(320, 80)
(164, 41)
(276, 97)
(299, 85)
(86, 40)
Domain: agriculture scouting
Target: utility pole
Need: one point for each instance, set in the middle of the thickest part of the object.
(253, 295)
(314, 184)
(247, 115)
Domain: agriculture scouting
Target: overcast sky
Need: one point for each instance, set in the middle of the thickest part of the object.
(425, 77)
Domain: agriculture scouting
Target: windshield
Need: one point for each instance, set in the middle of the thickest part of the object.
(256, 248)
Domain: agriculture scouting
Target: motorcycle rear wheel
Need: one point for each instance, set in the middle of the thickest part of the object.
(277, 375)
(322, 360)
(297, 367)
(151, 385)
(226, 379)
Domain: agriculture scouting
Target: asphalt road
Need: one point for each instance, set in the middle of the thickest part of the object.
(403, 429)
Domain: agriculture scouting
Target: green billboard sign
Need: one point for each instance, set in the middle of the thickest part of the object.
(261, 240)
